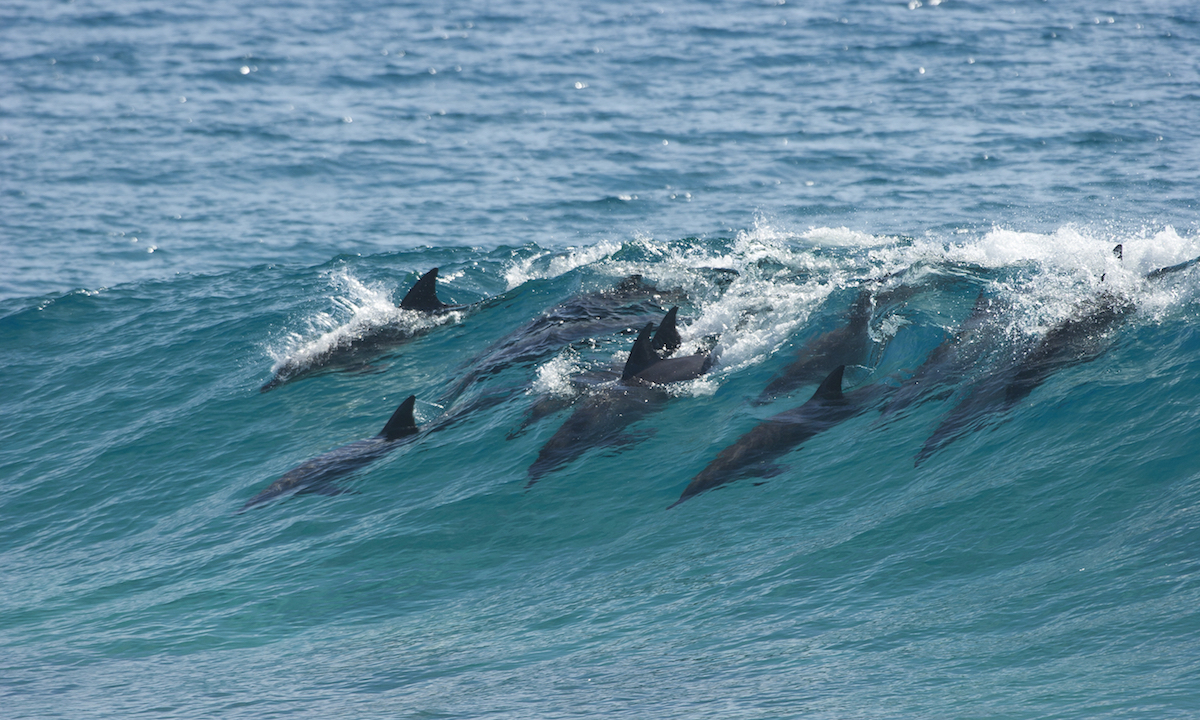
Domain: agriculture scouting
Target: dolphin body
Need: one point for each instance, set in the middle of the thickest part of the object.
(630, 304)
(665, 342)
(318, 474)
(1082, 337)
(950, 360)
(778, 435)
(374, 341)
(848, 344)
(602, 418)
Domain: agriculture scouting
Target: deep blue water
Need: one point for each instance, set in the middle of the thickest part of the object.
(193, 194)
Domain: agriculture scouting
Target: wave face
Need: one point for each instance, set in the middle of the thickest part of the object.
(200, 200)
(1039, 564)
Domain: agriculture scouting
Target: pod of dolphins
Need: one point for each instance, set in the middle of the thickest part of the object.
(612, 401)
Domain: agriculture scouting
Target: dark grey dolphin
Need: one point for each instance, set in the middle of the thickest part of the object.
(848, 344)
(318, 474)
(1082, 337)
(649, 361)
(373, 341)
(422, 296)
(630, 304)
(603, 416)
(951, 360)
(665, 342)
(778, 435)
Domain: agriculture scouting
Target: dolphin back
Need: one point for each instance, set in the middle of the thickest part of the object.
(776, 436)
(646, 364)
(673, 370)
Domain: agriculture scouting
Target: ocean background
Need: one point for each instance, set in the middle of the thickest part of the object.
(193, 193)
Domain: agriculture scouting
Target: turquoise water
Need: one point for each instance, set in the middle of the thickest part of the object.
(1041, 564)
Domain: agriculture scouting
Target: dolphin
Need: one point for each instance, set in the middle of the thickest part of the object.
(370, 342)
(778, 435)
(422, 296)
(1082, 337)
(602, 417)
(951, 359)
(1155, 274)
(665, 342)
(318, 474)
(649, 361)
(630, 304)
(848, 344)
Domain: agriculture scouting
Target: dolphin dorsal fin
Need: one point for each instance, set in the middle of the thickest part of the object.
(423, 295)
(831, 386)
(641, 356)
(666, 338)
(402, 422)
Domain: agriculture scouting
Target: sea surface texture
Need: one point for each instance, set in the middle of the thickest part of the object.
(210, 211)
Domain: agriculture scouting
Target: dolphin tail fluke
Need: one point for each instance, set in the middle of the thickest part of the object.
(423, 295)
(402, 422)
(831, 386)
(641, 356)
(666, 339)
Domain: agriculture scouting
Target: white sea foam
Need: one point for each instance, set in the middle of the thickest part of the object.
(783, 276)
(765, 304)
(1067, 267)
(554, 376)
(844, 237)
(548, 265)
(358, 311)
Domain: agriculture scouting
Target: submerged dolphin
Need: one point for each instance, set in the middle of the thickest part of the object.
(602, 418)
(1080, 338)
(848, 344)
(952, 359)
(776, 436)
(371, 342)
(317, 474)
